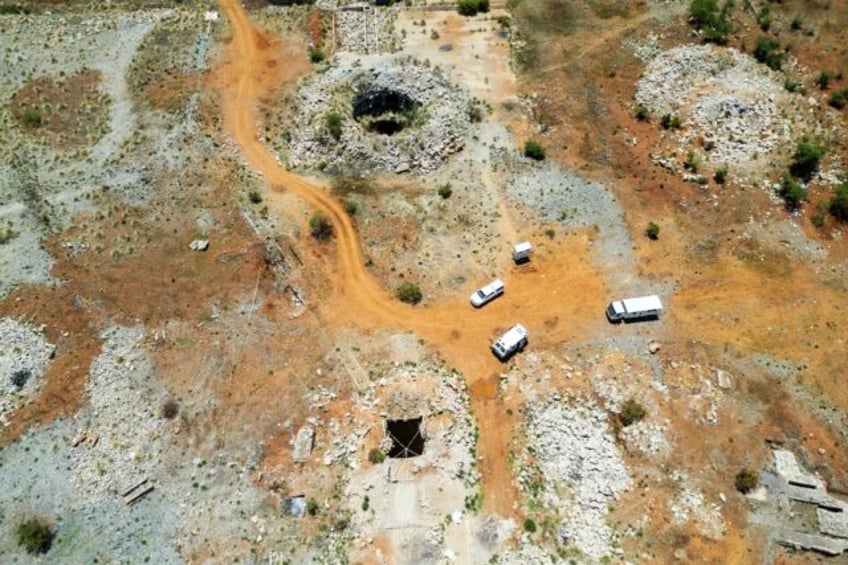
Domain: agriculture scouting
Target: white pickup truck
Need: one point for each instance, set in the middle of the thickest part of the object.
(515, 339)
(487, 293)
(634, 308)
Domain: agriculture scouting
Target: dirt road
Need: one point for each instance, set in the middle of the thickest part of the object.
(556, 312)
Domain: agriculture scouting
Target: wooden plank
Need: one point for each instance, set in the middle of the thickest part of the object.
(133, 498)
(135, 486)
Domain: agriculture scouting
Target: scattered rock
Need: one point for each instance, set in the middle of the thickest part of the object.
(199, 245)
(653, 347)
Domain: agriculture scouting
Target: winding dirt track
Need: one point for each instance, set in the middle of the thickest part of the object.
(553, 307)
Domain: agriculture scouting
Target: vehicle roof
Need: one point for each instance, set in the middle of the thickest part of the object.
(524, 245)
(651, 302)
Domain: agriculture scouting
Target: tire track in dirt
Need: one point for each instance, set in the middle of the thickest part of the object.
(554, 307)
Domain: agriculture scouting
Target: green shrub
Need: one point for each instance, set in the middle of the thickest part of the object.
(764, 18)
(376, 456)
(534, 150)
(791, 85)
(409, 293)
(320, 227)
(824, 78)
(796, 23)
(366, 503)
(838, 207)
(351, 206)
(311, 506)
(746, 480)
(170, 409)
(766, 52)
(333, 123)
(839, 98)
(31, 118)
(315, 54)
(34, 535)
(806, 159)
(652, 231)
(631, 412)
(691, 162)
(706, 16)
(669, 121)
(472, 7)
(642, 114)
(7, 235)
(720, 175)
(792, 192)
(529, 525)
(445, 191)
(254, 196)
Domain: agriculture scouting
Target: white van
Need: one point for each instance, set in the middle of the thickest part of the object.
(487, 293)
(515, 339)
(634, 308)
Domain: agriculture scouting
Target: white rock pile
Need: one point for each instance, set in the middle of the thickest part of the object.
(582, 467)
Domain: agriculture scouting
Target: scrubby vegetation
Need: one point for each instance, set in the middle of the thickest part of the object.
(472, 7)
(34, 535)
(838, 206)
(534, 150)
(320, 227)
(767, 51)
(711, 20)
(376, 456)
(652, 231)
(631, 412)
(806, 159)
(409, 292)
(746, 480)
(792, 192)
(669, 121)
(333, 123)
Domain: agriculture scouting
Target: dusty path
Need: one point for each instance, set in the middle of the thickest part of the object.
(561, 309)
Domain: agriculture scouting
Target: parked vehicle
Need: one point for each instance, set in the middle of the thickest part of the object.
(487, 293)
(521, 252)
(515, 339)
(634, 308)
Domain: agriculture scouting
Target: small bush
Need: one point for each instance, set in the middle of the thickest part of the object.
(824, 78)
(311, 507)
(376, 456)
(766, 52)
(796, 24)
(720, 176)
(434, 35)
(476, 111)
(315, 55)
(838, 207)
(791, 85)
(320, 227)
(529, 525)
(669, 121)
(691, 163)
(746, 481)
(706, 16)
(409, 293)
(351, 206)
(631, 412)
(806, 159)
(445, 191)
(7, 235)
(652, 231)
(34, 535)
(642, 114)
(31, 118)
(839, 99)
(366, 503)
(534, 150)
(765, 18)
(792, 192)
(254, 196)
(333, 123)
(170, 409)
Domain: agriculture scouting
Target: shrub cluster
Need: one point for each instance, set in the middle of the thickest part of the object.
(472, 7)
(34, 535)
(320, 227)
(746, 480)
(534, 150)
(767, 51)
(408, 292)
(706, 16)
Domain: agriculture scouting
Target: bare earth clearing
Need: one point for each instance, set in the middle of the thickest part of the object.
(280, 400)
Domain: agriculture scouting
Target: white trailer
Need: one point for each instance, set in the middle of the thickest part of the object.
(634, 308)
(521, 252)
(515, 339)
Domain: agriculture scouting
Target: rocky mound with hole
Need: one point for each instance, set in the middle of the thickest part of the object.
(396, 115)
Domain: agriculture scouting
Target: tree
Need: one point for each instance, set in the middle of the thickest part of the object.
(472, 7)
(34, 535)
(320, 227)
(838, 207)
(534, 150)
(792, 192)
(806, 159)
(408, 292)
(746, 480)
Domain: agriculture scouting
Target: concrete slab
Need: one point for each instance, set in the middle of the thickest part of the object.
(833, 523)
(828, 546)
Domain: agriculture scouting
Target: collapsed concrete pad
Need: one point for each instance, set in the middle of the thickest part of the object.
(303, 444)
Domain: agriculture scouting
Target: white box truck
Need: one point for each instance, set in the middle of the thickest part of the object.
(521, 252)
(634, 308)
(515, 339)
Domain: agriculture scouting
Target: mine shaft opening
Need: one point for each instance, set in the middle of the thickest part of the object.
(407, 438)
(384, 111)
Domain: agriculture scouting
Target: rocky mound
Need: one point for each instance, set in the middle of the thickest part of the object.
(397, 115)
